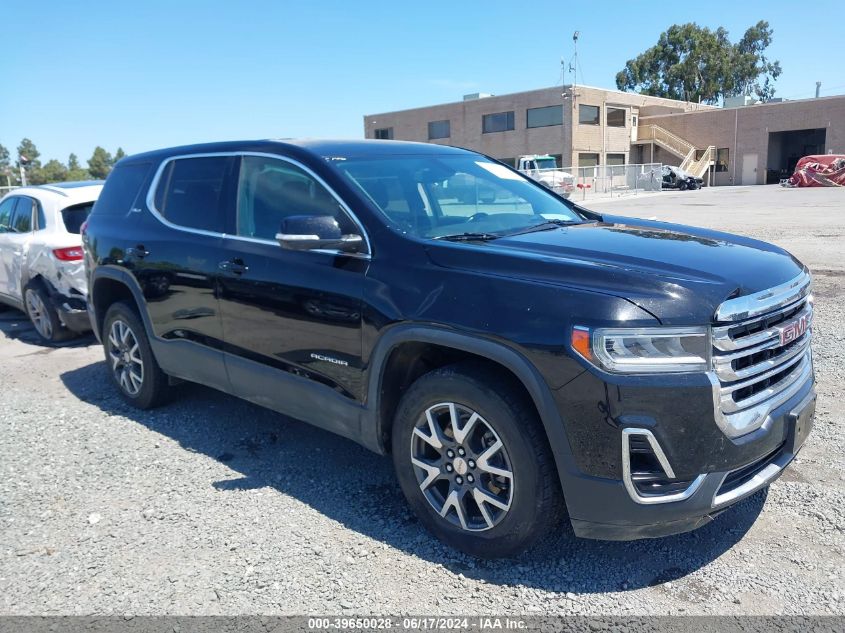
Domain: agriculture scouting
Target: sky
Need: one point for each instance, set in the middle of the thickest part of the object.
(144, 75)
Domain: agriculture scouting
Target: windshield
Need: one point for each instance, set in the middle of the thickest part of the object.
(441, 196)
(546, 163)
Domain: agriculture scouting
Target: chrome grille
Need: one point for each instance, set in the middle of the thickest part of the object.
(753, 370)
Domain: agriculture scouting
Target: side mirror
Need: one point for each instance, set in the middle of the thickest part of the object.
(311, 232)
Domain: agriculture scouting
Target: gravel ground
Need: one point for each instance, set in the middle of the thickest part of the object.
(211, 505)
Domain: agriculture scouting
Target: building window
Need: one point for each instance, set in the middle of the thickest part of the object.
(588, 115)
(588, 160)
(616, 117)
(616, 159)
(384, 133)
(544, 117)
(722, 159)
(499, 122)
(439, 129)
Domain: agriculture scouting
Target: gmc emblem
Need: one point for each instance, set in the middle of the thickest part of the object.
(795, 330)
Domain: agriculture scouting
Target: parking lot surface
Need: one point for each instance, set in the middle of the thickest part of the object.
(211, 505)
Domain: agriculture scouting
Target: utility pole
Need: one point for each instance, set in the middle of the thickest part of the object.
(23, 160)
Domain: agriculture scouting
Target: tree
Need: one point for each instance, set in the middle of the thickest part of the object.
(118, 155)
(75, 170)
(5, 166)
(99, 165)
(53, 171)
(28, 156)
(696, 64)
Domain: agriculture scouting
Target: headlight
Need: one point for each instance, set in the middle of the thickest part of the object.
(644, 350)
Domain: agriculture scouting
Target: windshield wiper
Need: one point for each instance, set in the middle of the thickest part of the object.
(469, 237)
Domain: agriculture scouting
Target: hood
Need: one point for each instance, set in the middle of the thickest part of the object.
(679, 274)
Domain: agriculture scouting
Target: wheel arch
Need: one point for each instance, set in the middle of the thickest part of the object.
(109, 285)
(400, 357)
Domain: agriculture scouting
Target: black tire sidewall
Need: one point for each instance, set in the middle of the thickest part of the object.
(518, 527)
(147, 395)
(59, 332)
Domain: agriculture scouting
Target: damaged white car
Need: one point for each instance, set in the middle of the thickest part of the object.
(41, 258)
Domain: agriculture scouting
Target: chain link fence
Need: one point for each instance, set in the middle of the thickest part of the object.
(601, 181)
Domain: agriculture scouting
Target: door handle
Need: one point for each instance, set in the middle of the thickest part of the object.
(235, 266)
(137, 251)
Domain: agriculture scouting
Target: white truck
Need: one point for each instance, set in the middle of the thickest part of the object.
(544, 169)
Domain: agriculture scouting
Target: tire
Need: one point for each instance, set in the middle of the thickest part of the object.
(682, 185)
(43, 315)
(524, 505)
(130, 362)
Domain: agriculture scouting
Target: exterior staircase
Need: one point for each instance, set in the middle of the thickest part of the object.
(680, 147)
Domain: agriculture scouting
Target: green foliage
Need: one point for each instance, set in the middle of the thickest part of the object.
(696, 64)
(27, 148)
(53, 171)
(100, 163)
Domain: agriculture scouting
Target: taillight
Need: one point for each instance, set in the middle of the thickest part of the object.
(72, 254)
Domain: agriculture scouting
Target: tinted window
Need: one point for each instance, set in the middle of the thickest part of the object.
(74, 217)
(588, 160)
(499, 122)
(616, 159)
(588, 115)
(439, 129)
(22, 216)
(384, 134)
(6, 209)
(270, 190)
(190, 192)
(722, 159)
(544, 117)
(616, 117)
(121, 189)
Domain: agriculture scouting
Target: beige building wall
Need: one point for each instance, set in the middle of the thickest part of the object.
(745, 132)
(567, 140)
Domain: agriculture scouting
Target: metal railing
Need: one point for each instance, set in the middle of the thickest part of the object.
(663, 137)
(6, 189)
(580, 183)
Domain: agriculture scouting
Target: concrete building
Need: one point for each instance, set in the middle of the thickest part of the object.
(579, 125)
(583, 126)
(755, 144)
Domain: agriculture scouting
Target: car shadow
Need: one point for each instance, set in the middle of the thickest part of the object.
(15, 324)
(357, 488)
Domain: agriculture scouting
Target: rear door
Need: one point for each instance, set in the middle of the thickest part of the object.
(174, 255)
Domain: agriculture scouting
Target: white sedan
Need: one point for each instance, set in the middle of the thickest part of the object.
(41, 258)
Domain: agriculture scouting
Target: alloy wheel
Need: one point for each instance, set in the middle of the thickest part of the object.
(125, 355)
(38, 314)
(462, 467)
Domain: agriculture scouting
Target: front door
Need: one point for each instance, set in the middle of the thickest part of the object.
(749, 169)
(16, 237)
(7, 208)
(289, 313)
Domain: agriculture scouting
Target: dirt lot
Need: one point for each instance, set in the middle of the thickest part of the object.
(211, 505)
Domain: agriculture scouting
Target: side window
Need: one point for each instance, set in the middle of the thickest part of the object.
(22, 217)
(6, 208)
(270, 190)
(190, 192)
(121, 189)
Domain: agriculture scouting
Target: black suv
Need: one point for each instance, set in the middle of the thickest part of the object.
(517, 354)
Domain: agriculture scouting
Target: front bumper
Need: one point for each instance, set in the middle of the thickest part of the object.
(606, 509)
